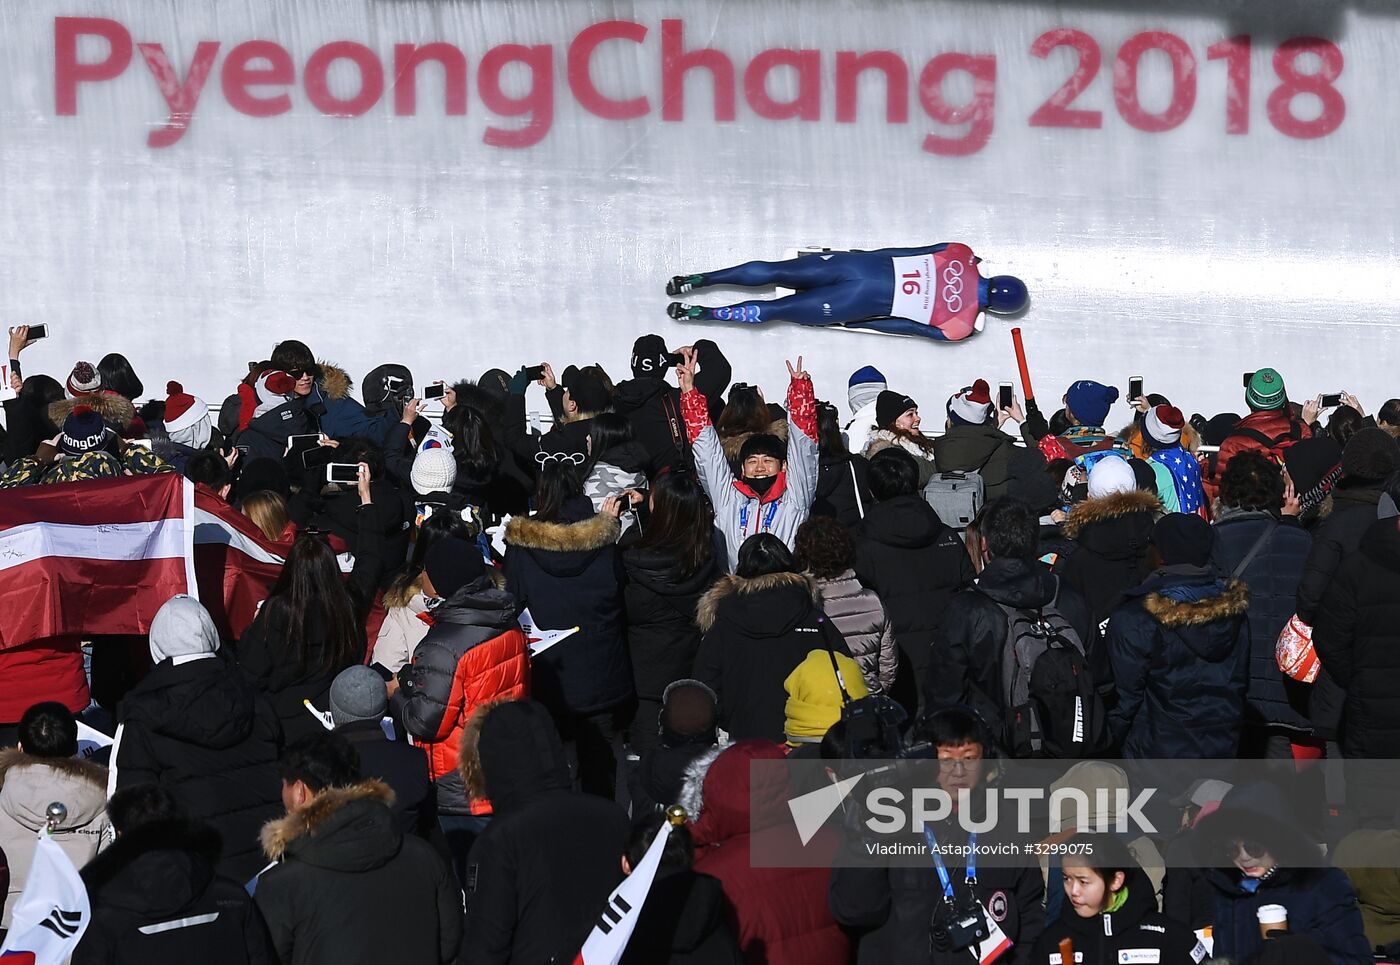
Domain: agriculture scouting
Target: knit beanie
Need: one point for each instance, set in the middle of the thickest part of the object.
(972, 406)
(866, 383)
(1111, 475)
(357, 693)
(453, 563)
(889, 406)
(434, 471)
(495, 383)
(1371, 455)
(83, 380)
(1266, 391)
(649, 357)
(182, 628)
(1089, 401)
(1315, 466)
(814, 696)
(1183, 538)
(83, 432)
(1164, 424)
(186, 417)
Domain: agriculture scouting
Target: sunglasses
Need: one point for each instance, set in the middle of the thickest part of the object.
(299, 373)
(1253, 849)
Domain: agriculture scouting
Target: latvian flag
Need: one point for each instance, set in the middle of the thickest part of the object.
(609, 937)
(96, 557)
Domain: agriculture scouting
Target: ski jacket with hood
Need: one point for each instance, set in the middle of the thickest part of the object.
(156, 900)
(756, 632)
(540, 874)
(348, 886)
(200, 730)
(1180, 654)
(569, 574)
(1110, 536)
(740, 512)
(338, 414)
(1136, 932)
(474, 652)
(661, 604)
(780, 915)
(28, 785)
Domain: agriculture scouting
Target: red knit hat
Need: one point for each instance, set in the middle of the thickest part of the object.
(972, 405)
(182, 410)
(1164, 424)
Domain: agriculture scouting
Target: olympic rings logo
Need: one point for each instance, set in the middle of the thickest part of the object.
(953, 286)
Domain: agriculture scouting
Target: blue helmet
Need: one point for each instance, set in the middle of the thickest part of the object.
(1006, 295)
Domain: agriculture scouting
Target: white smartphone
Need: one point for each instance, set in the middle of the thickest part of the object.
(343, 472)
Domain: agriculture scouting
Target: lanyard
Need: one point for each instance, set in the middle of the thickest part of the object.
(767, 517)
(942, 869)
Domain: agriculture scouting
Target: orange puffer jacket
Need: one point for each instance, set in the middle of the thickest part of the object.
(474, 652)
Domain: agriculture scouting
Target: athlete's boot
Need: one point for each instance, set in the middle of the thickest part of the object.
(681, 284)
(679, 310)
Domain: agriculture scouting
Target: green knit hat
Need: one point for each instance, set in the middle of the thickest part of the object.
(1266, 391)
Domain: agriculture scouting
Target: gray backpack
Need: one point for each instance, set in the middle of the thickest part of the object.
(956, 497)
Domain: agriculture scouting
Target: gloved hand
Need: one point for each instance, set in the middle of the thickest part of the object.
(519, 381)
(1035, 422)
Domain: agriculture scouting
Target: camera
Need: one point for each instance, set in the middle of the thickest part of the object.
(959, 922)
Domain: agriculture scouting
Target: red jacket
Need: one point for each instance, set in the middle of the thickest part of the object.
(475, 652)
(1280, 426)
(780, 914)
(48, 669)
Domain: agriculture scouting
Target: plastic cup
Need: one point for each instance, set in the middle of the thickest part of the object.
(1272, 918)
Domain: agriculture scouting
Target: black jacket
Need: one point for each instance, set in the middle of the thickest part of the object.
(202, 732)
(1272, 577)
(1335, 538)
(756, 633)
(570, 574)
(655, 783)
(1110, 536)
(25, 427)
(682, 923)
(163, 874)
(539, 875)
(1357, 637)
(653, 406)
(915, 564)
(1180, 654)
(843, 489)
(661, 633)
(890, 909)
(266, 436)
(1006, 468)
(968, 648)
(386, 518)
(264, 654)
(1133, 933)
(349, 886)
(401, 766)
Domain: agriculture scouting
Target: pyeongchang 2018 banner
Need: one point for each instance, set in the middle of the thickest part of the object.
(1200, 186)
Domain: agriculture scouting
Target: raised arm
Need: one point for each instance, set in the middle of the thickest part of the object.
(804, 461)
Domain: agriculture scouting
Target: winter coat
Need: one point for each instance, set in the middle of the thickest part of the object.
(162, 874)
(756, 632)
(569, 574)
(1274, 424)
(739, 511)
(1357, 637)
(683, 923)
(1110, 536)
(1371, 859)
(843, 489)
(349, 886)
(653, 406)
(1179, 648)
(202, 732)
(26, 425)
(386, 518)
(540, 874)
(1006, 468)
(655, 783)
(402, 767)
(1320, 901)
(266, 435)
(474, 653)
(264, 655)
(866, 627)
(28, 785)
(1136, 932)
(1272, 578)
(619, 468)
(780, 915)
(661, 633)
(46, 669)
(339, 415)
(969, 647)
(915, 564)
(401, 631)
(1335, 538)
(886, 439)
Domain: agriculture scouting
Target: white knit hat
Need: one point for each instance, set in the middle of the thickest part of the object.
(434, 471)
(1111, 475)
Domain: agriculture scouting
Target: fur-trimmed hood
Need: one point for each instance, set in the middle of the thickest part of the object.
(732, 444)
(1104, 508)
(335, 381)
(692, 796)
(588, 535)
(28, 785)
(115, 410)
(739, 588)
(1191, 609)
(343, 828)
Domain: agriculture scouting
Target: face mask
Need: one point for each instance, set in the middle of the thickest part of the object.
(760, 485)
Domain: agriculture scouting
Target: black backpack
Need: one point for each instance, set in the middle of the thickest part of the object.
(1052, 706)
